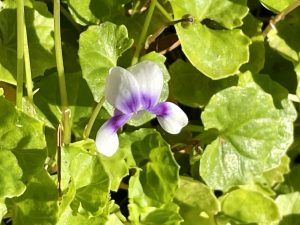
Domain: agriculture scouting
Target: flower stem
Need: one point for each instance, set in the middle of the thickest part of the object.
(61, 75)
(29, 85)
(142, 38)
(93, 117)
(20, 52)
(164, 12)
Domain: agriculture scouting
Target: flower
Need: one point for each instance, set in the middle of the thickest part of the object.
(133, 92)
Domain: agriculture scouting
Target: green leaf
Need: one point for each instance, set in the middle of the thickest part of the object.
(152, 187)
(39, 24)
(280, 69)
(284, 40)
(276, 175)
(250, 133)
(196, 201)
(245, 206)
(252, 28)
(16, 134)
(190, 87)
(38, 205)
(289, 208)
(86, 12)
(88, 181)
(291, 182)
(276, 6)
(3, 210)
(203, 40)
(10, 177)
(288, 203)
(81, 101)
(99, 49)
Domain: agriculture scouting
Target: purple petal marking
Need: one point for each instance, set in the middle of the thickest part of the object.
(117, 121)
(147, 101)
(132, 104)
(161, 109)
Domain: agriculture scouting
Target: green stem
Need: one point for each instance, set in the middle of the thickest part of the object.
(93, 117)
(61, 74)
(280, 17)
(29, 85)
(164, 12)
(142, 38)
(20, 52)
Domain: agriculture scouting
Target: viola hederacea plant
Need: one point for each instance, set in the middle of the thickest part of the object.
(132, 92)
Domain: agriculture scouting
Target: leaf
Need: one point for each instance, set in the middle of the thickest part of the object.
(80, 101)
(284, 40)
(288, 203)
(190, 87)
(10, 178)
(24, 136)
(289, 208)
(152, 187)
(291, 182)
(203, 40)
(276, 175)
(99, 49)
(250, 133)
(38, 205)
(39, 24)
(196, 201)
(280, 69)
(88, 181)
(3, 210)
(245, 206)
(276, 6)
(252, 27)
(86, 12)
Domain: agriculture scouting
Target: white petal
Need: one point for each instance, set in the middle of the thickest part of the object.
(171, 118)
(107, 141)
(150, 80)
(122, 90)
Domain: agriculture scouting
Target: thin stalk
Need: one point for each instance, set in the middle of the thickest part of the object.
(61, 74)
(29, 85)
(280, 17)
(142, 38)
(20, 52)
(93, 117)
(164, 12)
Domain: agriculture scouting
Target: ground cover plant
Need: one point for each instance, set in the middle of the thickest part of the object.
(151, 112)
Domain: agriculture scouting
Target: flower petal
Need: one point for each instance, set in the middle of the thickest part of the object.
(150, 80)
(171, 118)
(107, 141)
(122, 90)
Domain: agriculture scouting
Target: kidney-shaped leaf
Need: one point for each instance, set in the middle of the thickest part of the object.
(249, 128)
(210, 42)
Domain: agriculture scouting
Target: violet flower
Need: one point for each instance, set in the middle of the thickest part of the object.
(133, 92)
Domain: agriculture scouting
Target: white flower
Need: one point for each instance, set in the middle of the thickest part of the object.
(134, 91)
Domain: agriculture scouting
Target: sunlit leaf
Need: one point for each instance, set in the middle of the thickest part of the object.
(247, 144)
(196, 201)
(100, 46)
(211, 42)
(244, 206)
(276, 6)
(38, 205)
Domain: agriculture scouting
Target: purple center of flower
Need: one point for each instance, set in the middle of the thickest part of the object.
(161, 110)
